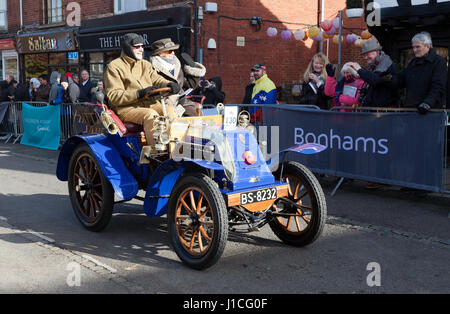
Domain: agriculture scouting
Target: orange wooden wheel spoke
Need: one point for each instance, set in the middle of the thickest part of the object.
(186, 205)
(298, 224)
(199, 204)
(289, 186)
(191, 196)
(202, 230)
(296, 189)
(200, 243)
(191, 245)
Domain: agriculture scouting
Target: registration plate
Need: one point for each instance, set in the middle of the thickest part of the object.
(258, 196)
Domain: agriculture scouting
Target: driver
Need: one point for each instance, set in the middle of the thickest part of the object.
(128, 79)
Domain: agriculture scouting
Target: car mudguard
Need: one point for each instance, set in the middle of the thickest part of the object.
(124, 184)
(305, 149)
(163, 181)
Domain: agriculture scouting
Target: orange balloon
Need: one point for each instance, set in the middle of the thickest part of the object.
(325, 35)
(366, 34)
(336, 39)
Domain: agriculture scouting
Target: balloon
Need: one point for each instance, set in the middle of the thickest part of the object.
(351, 38)
(313, 31)
(286, 34)
(331, 31)
(299, 34)
(326, 25)
(336, 39)
(326, 36)
(336, 22)
(365, 34)
(318, 37)
(272, 32)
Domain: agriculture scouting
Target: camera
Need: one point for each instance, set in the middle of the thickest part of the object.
(362, 96)
(203, 83)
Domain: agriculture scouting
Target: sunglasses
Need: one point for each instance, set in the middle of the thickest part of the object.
(138, 46)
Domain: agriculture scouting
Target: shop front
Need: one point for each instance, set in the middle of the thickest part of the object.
(45, 52)
(100, 39)
(9, 64)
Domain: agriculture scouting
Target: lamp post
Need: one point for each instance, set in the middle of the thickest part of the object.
(340, 42)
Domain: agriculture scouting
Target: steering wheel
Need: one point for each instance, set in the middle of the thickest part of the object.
(159, 91)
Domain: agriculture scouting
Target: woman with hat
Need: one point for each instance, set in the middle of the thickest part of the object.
(167, 64)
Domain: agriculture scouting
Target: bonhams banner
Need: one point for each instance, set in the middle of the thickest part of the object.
(398, 148)
(41, 126)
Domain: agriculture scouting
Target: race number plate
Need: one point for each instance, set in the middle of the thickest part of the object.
(258, 196)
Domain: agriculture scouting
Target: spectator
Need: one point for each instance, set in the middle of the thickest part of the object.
(425, 77)
(211, 89)
(85, 87)
(56, 90)
(18, 91)
(167, 64)
(98, 88)
(4, 85)
(76, 78)
(42, 93)
(34, 86)
(346, 91)
(312, 92)
(376, 92)
(71, 90)
(249, 89)
(128, 79)
(264, 91)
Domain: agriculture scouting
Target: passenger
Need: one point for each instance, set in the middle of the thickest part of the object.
(128, 79)
(346, 91)
(187, 75)
(314, 78)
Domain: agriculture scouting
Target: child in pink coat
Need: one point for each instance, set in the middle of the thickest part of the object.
(345, 92)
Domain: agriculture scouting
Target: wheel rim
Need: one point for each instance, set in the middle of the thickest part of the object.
(194, 221)
(298, 202)
(87, 188)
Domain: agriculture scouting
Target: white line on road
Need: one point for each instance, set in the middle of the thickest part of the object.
(113, 270)
(37, 234)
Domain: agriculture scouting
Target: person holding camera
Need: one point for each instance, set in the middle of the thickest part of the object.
(211, 89)
(377, 90)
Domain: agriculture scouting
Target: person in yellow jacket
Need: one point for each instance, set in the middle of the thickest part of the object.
(128, 79)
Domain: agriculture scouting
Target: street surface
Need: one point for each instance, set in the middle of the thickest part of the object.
(384, 241)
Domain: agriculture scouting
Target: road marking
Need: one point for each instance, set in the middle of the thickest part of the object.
(113, 270)
(37, 234)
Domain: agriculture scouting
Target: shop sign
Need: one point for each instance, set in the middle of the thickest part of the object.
(6, 44)
(61, 41)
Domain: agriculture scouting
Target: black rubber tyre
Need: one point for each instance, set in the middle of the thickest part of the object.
(306, 192)
(197, 221)
(90, 192)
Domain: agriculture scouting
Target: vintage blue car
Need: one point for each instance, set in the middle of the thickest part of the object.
(208, 180)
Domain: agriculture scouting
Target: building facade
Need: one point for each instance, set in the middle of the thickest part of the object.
(227, 36)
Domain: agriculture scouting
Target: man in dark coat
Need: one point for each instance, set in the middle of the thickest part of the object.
(425, 77)
(85, 87)
(377, 91)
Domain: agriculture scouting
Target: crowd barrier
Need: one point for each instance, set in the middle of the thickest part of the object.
(75, 119)
(386, 145)
(393, 146)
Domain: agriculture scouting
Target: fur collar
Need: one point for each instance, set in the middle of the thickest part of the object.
(198, 71)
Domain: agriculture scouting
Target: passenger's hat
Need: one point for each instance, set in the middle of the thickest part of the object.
(165, 44)
(370, 45)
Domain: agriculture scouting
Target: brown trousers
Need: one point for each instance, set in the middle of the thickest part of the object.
(146, 116)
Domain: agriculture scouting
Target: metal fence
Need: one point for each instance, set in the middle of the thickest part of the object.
(75, 119)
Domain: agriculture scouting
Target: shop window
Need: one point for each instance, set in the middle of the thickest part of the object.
(35, 65)
(122, 6)
(3, 15)
(52, 11)
(11, 66)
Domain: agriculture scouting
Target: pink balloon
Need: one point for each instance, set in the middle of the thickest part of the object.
(272, 32)
(326, 25)
(286, 34)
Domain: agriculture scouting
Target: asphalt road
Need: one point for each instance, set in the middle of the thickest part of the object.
(382, 241)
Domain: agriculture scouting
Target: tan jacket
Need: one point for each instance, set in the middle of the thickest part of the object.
(123, 78)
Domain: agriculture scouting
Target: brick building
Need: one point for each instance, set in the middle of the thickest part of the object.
(39, 36)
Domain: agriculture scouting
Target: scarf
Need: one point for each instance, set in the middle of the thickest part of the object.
(168, 64)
